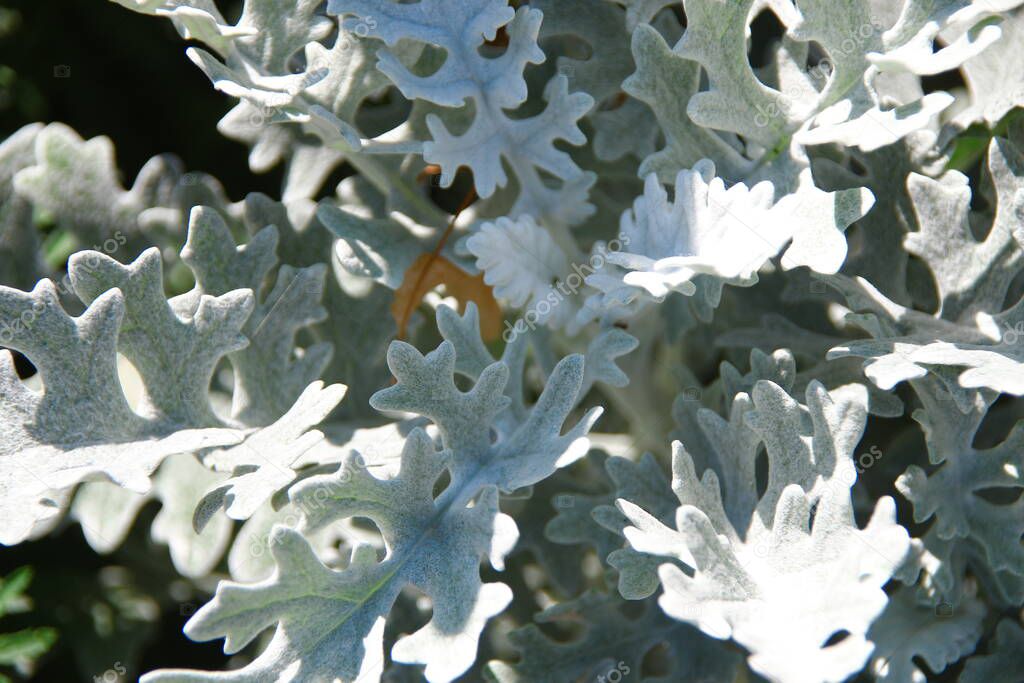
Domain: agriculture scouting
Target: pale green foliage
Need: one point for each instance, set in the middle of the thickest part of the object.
(777, 582)
(784, 257)
(970, 330)
(432, 542)
(493, 86)
(1005, 660)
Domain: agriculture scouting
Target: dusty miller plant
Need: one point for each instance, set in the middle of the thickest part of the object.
(714, 375)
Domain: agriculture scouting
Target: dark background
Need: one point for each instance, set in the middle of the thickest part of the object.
(127, 77)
